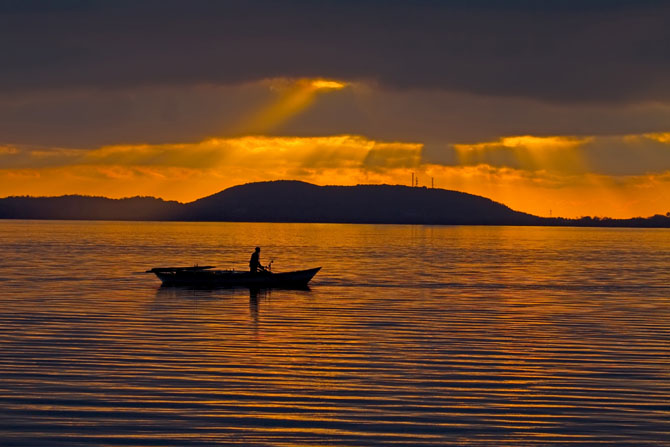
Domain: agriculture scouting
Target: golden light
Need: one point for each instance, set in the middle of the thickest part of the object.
(295, 96)
(551, 153)
(325, 84)
(663, 137)
(186, 171)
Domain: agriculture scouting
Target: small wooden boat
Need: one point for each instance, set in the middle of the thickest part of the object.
(205, 276)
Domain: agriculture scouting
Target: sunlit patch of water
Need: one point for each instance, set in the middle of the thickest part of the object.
(409, 335)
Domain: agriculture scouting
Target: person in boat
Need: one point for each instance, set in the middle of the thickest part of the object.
(255, 261)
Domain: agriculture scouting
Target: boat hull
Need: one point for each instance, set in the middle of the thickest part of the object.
(227, 278)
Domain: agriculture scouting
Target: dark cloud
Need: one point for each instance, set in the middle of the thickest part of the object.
(564, 51)
(92, 118)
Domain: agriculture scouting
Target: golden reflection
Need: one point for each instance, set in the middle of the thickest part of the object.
(512, 336)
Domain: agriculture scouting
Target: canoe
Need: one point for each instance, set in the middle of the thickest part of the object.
(205, 276)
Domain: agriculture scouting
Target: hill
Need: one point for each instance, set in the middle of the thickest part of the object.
(293, 201)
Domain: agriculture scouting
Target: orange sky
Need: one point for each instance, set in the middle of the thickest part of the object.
(561, 175)
(188, 171)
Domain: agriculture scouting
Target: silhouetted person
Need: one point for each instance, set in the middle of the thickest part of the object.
(255, 262)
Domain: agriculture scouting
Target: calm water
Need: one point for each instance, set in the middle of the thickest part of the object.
(410, 335)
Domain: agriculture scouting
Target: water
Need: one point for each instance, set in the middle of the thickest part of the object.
(410, 335)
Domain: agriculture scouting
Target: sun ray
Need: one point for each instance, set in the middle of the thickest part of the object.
(295, 97)
(551, 153)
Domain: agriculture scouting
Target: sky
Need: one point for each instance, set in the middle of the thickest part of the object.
(555, 108)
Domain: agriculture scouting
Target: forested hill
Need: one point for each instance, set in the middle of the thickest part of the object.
(293, 201)
(281, 201)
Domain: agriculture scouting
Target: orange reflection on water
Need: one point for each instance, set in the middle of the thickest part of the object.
(409, 334)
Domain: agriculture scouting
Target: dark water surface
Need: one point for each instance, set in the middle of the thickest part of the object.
(410, 335)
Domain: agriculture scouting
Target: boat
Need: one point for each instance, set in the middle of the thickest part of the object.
(206, 276)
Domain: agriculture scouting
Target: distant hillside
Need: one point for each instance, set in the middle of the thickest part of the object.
(89, 208)
(293, 201)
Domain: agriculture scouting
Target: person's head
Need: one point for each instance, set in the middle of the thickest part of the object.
(258, 249)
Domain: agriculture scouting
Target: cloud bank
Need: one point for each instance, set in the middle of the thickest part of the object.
(567, 51)
(535, 174)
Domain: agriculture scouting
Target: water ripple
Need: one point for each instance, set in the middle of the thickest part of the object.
(515, 337)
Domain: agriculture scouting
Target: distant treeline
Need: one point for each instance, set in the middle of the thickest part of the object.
(88, 208)
(292, 201)
(656, 221)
